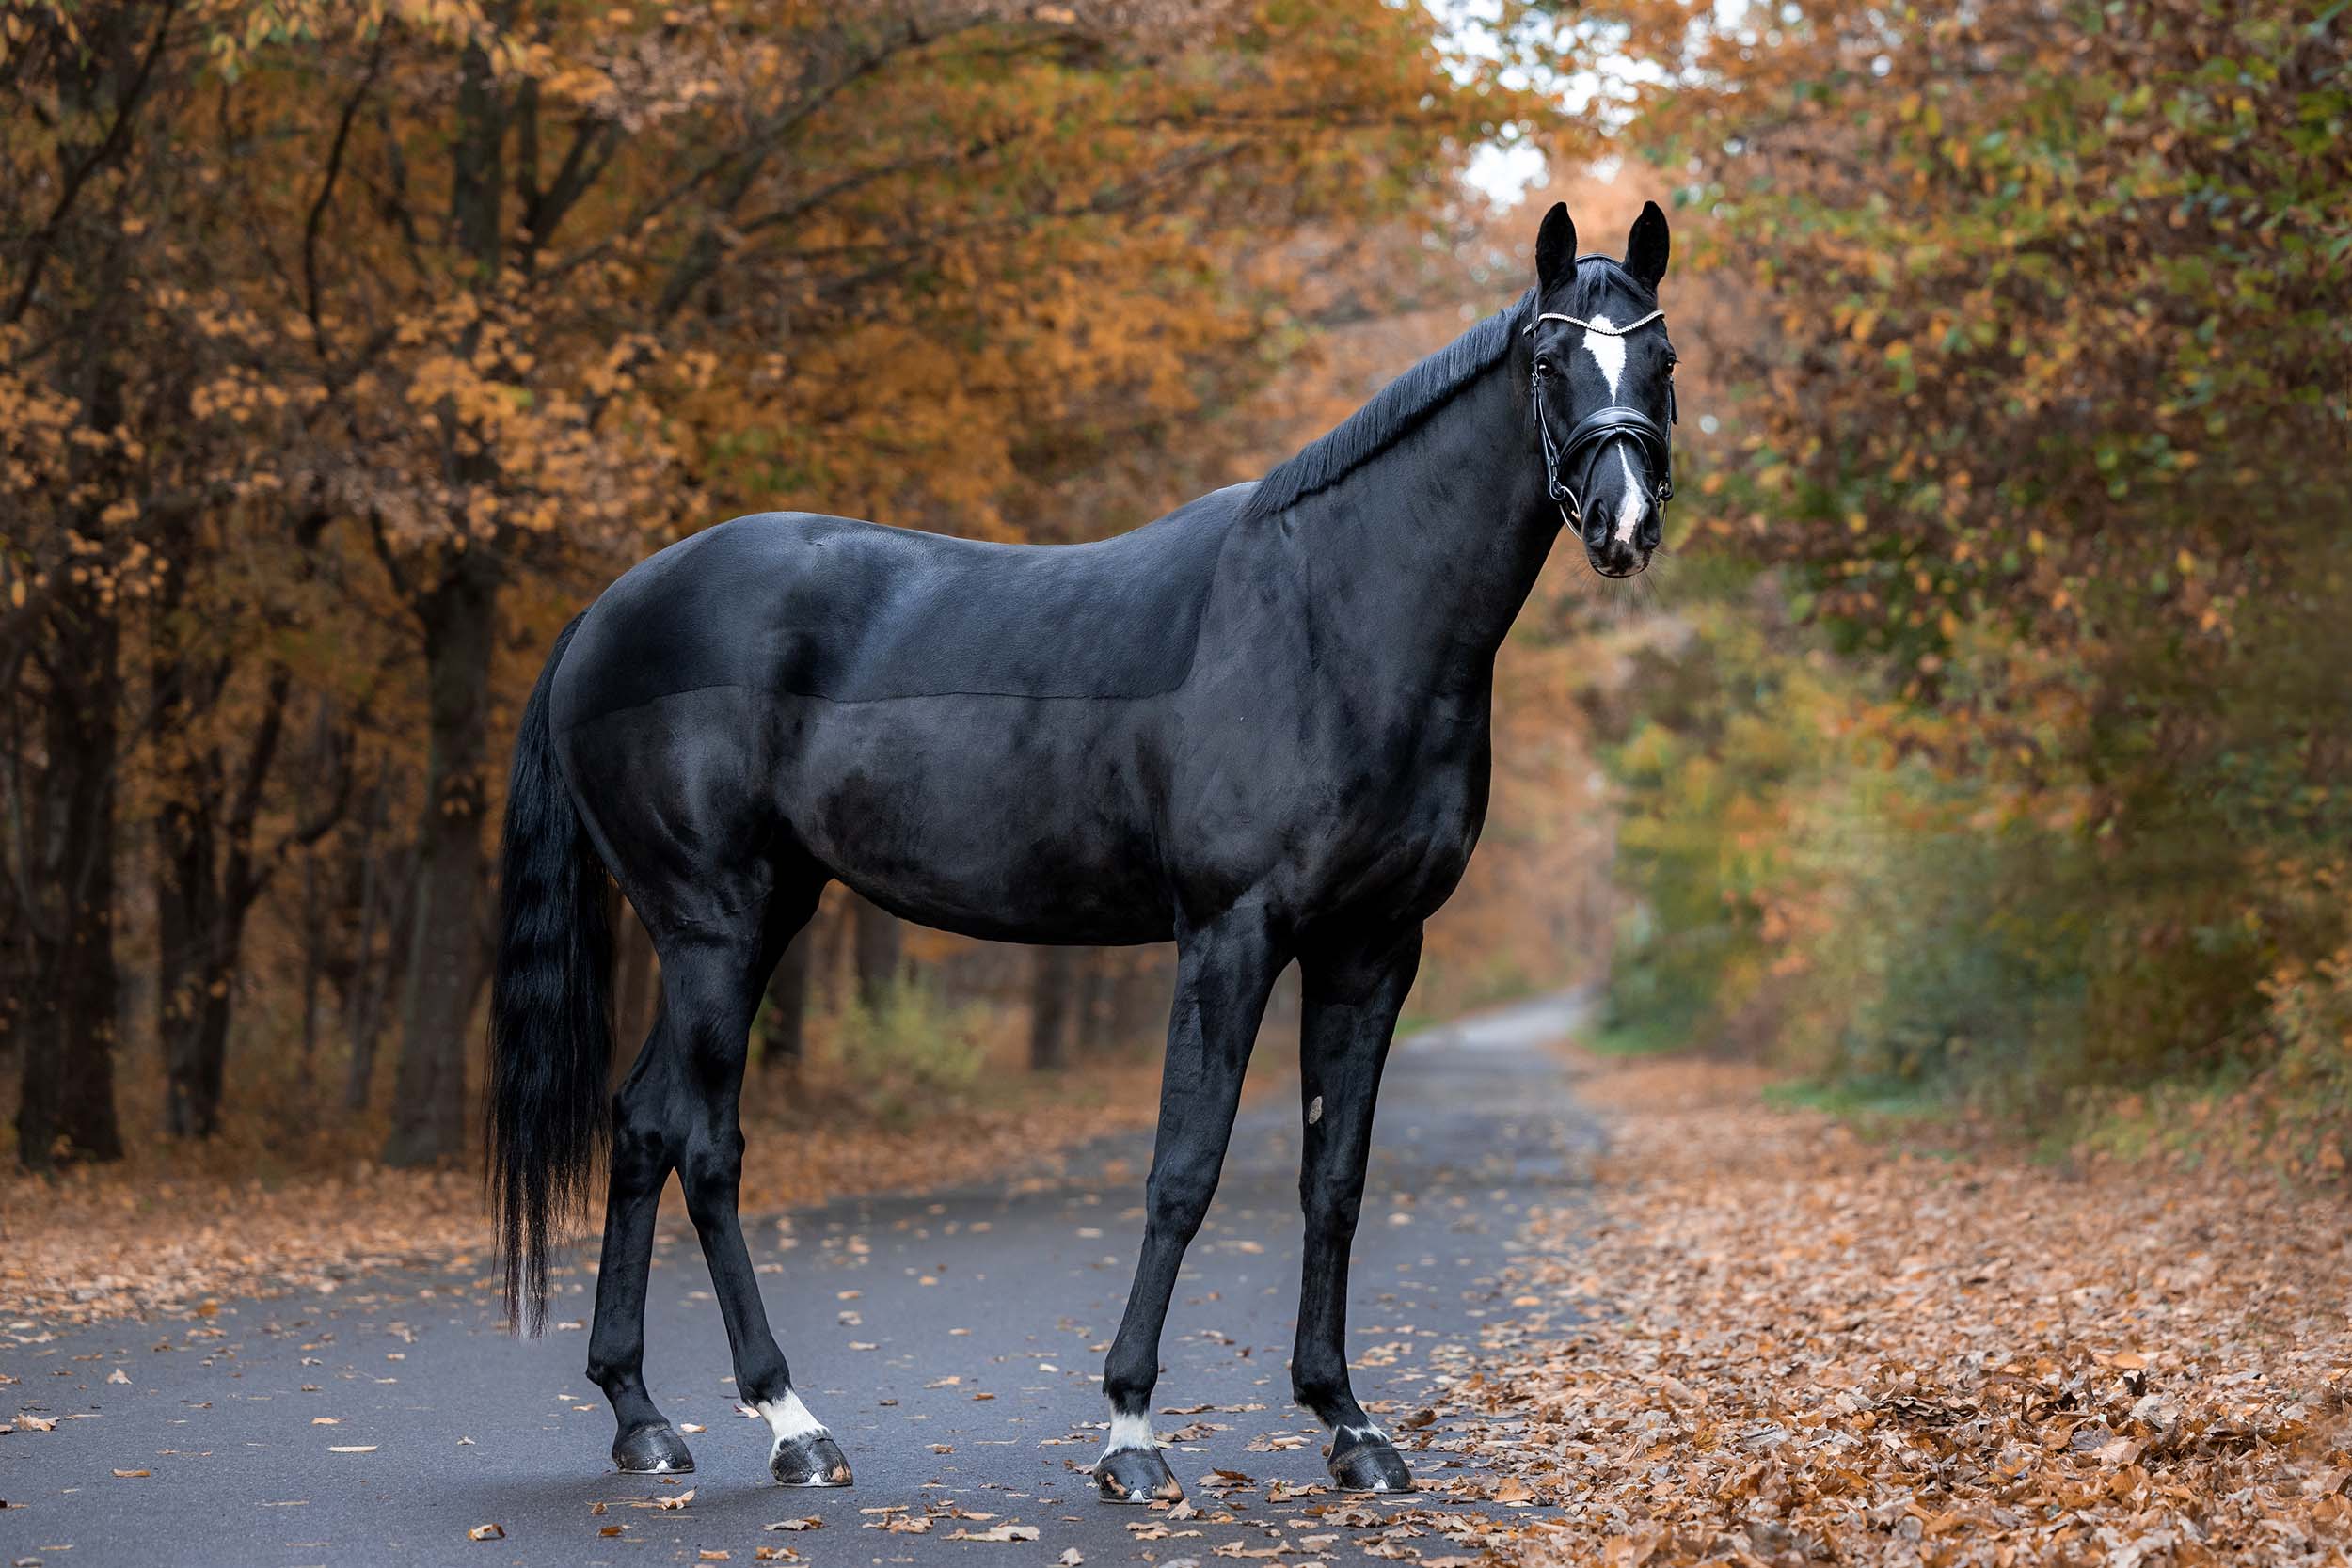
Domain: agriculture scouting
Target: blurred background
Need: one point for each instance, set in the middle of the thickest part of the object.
(1979, 746)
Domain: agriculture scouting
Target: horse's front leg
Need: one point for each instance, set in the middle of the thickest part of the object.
(1352, 997)
(1223, 974)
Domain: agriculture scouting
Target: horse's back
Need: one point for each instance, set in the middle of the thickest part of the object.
(797, 604)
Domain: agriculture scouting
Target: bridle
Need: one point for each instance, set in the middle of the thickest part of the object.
(1600, 427)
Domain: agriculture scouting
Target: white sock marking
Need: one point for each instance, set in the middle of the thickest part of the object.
(1130, 1431)
(790, 1420)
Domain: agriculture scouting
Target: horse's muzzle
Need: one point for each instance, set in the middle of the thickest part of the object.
(1617, 558)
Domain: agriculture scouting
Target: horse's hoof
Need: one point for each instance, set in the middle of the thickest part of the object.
(654, 1451)
(1135, 1476)
(1371, 1464)
(813, 1460)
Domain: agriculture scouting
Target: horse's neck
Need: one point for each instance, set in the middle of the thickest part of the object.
(1423, 557)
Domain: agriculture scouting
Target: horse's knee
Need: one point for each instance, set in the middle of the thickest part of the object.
(1176, 1201)
(1330, 1216)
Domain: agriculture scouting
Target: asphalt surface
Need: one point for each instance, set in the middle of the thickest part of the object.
(951, 1340)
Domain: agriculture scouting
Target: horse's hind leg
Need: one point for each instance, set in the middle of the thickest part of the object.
(1352, 997)
(1223, 974)
(715, 992)
(643, 1151)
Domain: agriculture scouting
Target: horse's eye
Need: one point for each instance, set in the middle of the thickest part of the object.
(1543, 365)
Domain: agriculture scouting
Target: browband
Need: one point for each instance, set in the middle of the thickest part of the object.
(1595, 327)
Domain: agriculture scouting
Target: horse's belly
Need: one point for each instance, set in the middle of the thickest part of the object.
(1008, 818)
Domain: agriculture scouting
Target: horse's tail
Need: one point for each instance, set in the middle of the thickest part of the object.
(550, 1011)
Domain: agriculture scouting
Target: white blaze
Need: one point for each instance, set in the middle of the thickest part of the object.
(1608, 351)
(1631, 506)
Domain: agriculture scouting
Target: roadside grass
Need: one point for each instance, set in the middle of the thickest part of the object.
(1640, 1038)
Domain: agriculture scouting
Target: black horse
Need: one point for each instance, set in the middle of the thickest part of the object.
(1259, 726)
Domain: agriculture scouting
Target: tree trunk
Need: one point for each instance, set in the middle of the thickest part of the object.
(785, 1020)
(372, 981)
(1097, 1031)
(879, 946)
(1049, 996)
(388, 887)
(66, 1110)
(638, 988)
(447, 950)
(1138, 997)
(187, 918)
(836, 925)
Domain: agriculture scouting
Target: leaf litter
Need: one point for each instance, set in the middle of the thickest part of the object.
(1777, 1342)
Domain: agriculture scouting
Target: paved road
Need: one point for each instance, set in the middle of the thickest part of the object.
(951, 1340)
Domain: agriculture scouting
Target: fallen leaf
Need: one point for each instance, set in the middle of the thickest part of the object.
(997, 1532)
(132, 1475)
(812, 1521)
(351, 1448)
(486, 1533)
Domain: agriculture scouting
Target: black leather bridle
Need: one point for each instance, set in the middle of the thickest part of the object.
(1600, 427)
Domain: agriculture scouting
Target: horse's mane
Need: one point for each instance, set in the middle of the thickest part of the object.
(1395, 412)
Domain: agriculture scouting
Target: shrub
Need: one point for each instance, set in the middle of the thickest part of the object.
(903, 1055)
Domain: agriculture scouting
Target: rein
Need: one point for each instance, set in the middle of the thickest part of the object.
(1600, 427)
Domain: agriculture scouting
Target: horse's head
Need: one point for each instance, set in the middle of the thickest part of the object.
(1604, 388)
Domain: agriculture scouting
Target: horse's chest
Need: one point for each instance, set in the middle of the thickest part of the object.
(1401, 834)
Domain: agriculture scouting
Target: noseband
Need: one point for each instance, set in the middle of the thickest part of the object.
(1600, 427)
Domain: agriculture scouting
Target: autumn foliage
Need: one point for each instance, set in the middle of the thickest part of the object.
(346, 350)
(2022, 774)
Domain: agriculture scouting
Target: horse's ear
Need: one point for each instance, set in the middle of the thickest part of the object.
(1646, 247)
(1555, 247)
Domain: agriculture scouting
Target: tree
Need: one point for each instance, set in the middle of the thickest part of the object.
(347, 350)
(878, 948)
(83, 93)
(785, 1018)
(2044, 426)
(1053, 995)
